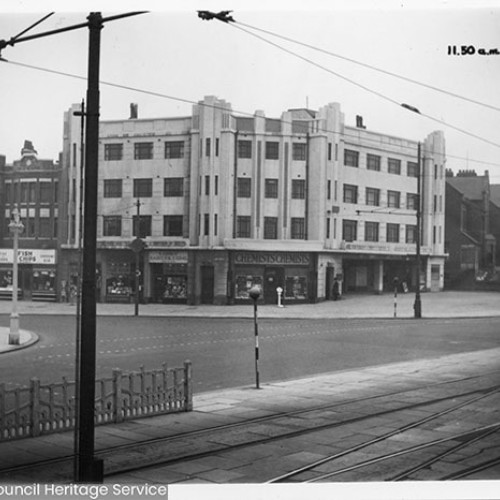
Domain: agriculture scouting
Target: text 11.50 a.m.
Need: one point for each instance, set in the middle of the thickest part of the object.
(470, 50)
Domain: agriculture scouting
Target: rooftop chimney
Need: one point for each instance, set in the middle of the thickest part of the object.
(133, 111)
(359, 121)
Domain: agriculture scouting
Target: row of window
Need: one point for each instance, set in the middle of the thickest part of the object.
(143, 188)
(36, 227)
(141, 226)
(297, 227)
(374, 162)
(244, 188)
(392, 235)
(143, 150)
(31, 192)
(372, 197)
(272, 150)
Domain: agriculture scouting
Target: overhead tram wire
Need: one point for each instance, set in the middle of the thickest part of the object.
(353, 82)
(369, 66)
(411, 149)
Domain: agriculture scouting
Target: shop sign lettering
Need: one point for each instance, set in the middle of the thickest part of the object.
(157, 256)
(278, 258)
(27, 256)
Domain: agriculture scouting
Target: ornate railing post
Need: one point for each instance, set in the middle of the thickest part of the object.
(188, 386)
(35, 407)
(118, 410)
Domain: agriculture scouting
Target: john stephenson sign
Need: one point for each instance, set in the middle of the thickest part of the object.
(278, 258)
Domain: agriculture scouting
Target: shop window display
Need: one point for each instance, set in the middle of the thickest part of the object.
(296, 288)
(44, 281)
(244, 283)
(175, 287)
(5, 280)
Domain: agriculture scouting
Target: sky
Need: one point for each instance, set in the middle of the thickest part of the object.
(170, 51)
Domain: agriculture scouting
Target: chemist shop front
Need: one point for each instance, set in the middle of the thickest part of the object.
(292, 272)
(37, 277)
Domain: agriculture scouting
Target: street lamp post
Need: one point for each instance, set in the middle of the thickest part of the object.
(15, 227)
(254, 293)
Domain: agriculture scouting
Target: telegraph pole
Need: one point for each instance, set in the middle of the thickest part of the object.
(89, 469)
(417, 306)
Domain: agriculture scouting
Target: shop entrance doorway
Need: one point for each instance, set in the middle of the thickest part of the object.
(273, 278)
(207, 284)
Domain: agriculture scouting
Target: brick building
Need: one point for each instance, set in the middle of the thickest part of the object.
(33, 185)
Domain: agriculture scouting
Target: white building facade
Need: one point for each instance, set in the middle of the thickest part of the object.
(223, 202)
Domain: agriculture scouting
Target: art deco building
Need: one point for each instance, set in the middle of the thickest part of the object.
(224, 202)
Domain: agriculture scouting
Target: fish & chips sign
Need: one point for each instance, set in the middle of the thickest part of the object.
(28, 256)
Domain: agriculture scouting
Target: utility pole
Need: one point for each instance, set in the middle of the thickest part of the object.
(89, 469)
(417, 306)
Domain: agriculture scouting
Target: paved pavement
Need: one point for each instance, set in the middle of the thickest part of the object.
(229, 406)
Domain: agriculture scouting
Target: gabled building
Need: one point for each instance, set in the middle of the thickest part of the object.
(224, 202)
(31, 184)
(469, 242)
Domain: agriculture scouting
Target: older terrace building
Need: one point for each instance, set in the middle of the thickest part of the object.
(223, 202)
(32, 186)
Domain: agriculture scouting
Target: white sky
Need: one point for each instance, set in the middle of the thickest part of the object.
(173, 52)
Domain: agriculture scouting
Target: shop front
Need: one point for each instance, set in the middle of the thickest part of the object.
(117, 275)
(37, 275)
(292, 272)
(168, 275)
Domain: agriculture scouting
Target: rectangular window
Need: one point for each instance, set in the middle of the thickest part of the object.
(45, 229)
(435, 203)
(207, 146)
(172, 225)
(217, 147)
(298, 228)
(143, 151)
(329, 190)
(412, 169)
(46, 192)
(393, 199)
(298, 189)
(350, 193)
(411, 201)
(112, 188)
(244, 149)
(243, 226)
(113, 152)
(329, 151)
(270, 228)
(392, 233)
(411, 233)
(272, 150)
(174, 149)
(271, 188)
(328, 228)
(373, 162)
(144, 226)
(173, 186)
(216, 185)
(373, 197)
(299, 151)
(349, 230)
(207, 184)
(206, 225)
(216, 220)
(244, 187)
(351, 158)
(435, 171)
(143, 188)
(112, 225)
(394, 166)
(371, 231)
